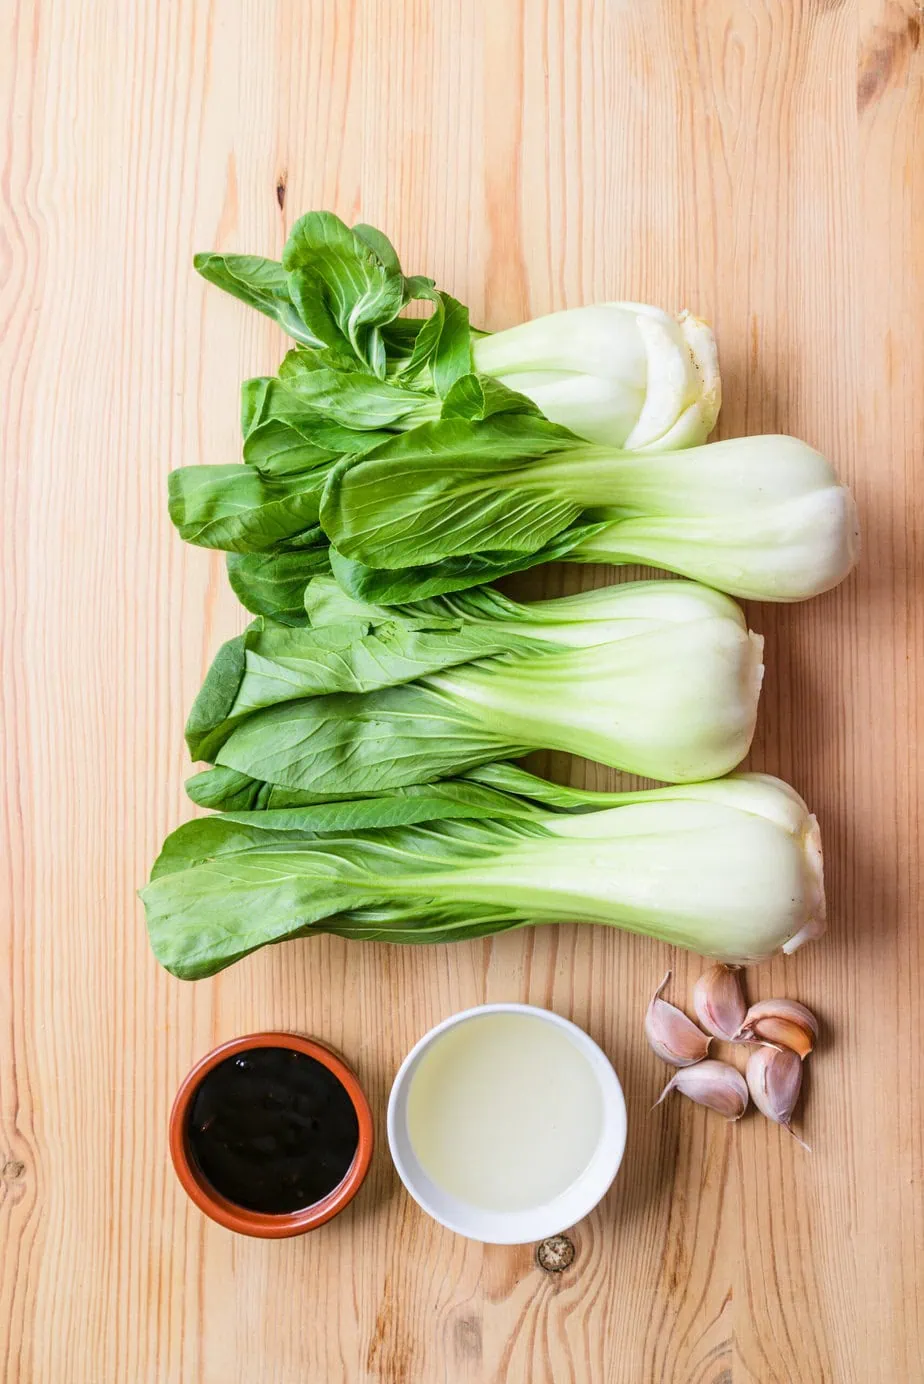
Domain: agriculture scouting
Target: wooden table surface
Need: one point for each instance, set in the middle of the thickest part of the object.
(760, 161)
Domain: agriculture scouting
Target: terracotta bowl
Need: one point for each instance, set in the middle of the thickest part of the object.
(239, 1218)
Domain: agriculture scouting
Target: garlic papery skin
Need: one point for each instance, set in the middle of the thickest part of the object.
(783, 1023)
(673, 1036)
(714, 1084)
(774, 1078)
(718, 1002)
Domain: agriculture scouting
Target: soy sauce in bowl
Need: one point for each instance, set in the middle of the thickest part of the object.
(271, 1135)
(273, 1130)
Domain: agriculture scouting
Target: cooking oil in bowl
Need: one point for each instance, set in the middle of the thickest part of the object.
(505, 1110)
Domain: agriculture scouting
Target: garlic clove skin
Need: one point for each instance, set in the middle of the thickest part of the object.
(673, 1036)
(718, 1002)
(774, 1078)
(717, 1085)
(783, 1023)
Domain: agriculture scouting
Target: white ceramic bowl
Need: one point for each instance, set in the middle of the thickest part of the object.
(536, 1223)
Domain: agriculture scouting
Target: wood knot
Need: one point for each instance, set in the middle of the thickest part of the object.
(281, 190)
(13, 1170)
(555, 1254)
(466, 1334)
(884, 58)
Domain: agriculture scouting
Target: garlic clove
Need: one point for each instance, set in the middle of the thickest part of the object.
(718, 1001)
(673, 1036)
(784, 1023)
(774, 1077)
(717, 1085)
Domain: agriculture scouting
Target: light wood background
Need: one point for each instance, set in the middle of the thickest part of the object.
(760, 161)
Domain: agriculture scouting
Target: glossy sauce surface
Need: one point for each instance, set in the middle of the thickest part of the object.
(273, 1130)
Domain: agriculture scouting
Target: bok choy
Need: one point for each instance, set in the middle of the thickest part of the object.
(624, 374)
(760, 517)
(658, 678)
(731, 868)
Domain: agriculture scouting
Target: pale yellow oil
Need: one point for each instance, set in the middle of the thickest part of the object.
(504, 1111)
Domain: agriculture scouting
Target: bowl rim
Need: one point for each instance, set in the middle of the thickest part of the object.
(520, 1227)
(259, 1223)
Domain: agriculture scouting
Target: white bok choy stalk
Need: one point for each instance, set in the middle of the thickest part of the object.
(731, 868)
(787, 542)
(622, 374)
(658, 678)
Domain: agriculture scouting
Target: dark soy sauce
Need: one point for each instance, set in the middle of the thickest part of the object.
(273, 1130)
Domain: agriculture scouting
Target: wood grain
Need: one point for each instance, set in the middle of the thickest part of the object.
(760, 161)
